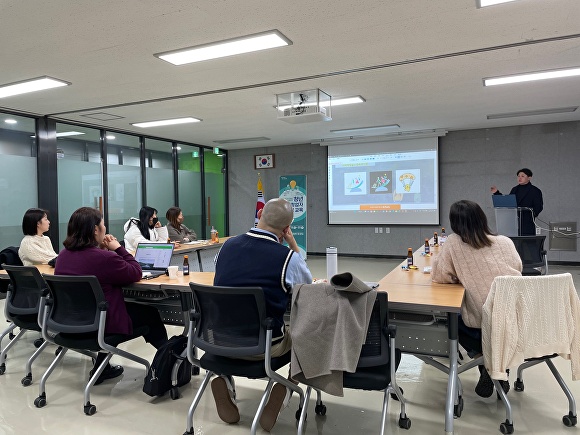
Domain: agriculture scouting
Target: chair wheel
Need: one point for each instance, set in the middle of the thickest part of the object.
(174, 393)
(569, 420)
(405, 423)
(2, 369)
(506, 428)
(458, 409)
(195, 371)
(519, 385)
(38, 342)
(90, 409)
(40, 401)
(26, 380)
(320, 409)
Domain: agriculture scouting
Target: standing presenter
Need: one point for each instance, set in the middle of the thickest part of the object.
(529, 200)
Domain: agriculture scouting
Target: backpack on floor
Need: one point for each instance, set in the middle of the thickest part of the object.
(158, 380)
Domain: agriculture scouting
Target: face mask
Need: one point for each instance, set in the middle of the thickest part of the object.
(155, 220)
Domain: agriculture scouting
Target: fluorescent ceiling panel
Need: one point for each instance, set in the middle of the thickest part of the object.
(484, 3)
(166, 122)
(333, 103)
(32, 85)
(229, 47)
(533, 112)
(361, 130)
(528, 77)
(68, 133)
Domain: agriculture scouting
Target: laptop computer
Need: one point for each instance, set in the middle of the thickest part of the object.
(504, 201)
(154, 258)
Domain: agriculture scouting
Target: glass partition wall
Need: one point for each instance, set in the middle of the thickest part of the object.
(189, 162)
(114, 172)
(18, 175)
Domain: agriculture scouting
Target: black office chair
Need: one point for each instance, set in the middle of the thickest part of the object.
(22, 308)
(376, 367)
(74, 317)
(228, 323)
(533, 255)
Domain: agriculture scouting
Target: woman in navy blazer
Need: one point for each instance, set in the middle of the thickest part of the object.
(89, 250)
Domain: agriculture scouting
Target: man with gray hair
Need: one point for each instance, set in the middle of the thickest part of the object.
(258, 258)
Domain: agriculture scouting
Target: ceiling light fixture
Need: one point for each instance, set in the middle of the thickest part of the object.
(110, 137)
(361, 130)
(228, 47)
(166, 122)
(528, 77)
(484, 3)
(242, 139)
(10, 121)
(394, 135)
(333, 103)
(32, 85)
(69, 133)
(533, 112)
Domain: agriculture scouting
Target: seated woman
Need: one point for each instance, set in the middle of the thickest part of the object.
(177, 231)
(35, 247)
(146, 229)
(474, 256)
(90, 251)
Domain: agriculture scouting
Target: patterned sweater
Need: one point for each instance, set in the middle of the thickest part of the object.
(475, 269)
(528, 317)
(36, 250)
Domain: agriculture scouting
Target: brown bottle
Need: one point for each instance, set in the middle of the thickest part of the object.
(427, 249)
(435, 238)
(409, 257)
(185, 265)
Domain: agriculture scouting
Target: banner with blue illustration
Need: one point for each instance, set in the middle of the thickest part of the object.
(293, 190)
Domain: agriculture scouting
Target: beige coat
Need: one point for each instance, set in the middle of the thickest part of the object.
(328, 325)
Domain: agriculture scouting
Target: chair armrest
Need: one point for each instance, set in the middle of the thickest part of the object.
(103, 306)
(390, 331)
(193, 315)
(268, 323)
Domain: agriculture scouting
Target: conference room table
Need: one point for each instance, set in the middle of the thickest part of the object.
(201, 254)
(410, 290)
(413, 290)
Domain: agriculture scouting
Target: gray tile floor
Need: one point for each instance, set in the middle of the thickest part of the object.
(123, 409)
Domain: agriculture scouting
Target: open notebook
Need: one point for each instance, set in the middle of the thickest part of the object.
(154, 258)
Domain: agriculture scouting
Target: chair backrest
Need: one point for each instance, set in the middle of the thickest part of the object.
(75, 304)
(528, 316)
(375, 350)
(26, 287)
(10, 256)
(229, 321)
(531, 250)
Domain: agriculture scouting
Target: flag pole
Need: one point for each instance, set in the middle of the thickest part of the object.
(260, 202)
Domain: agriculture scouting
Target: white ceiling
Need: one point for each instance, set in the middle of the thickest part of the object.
(418, 63)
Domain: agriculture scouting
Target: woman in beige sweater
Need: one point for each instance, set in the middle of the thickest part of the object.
(474, 256)
(35, 247)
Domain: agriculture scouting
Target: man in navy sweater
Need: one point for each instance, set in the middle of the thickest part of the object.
(258, 258)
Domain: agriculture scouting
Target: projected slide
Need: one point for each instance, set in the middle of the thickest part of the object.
(384, 183)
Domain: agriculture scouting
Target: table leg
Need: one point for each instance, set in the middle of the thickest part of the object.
(452, 382)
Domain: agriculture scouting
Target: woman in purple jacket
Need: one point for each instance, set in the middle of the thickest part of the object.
(89, 250)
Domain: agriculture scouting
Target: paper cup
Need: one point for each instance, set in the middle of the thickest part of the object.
(172, 272)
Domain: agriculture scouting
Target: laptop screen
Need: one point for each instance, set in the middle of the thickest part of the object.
(154, 256)
(504, 201)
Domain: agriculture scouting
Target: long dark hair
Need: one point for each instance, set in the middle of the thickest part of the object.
(469, 222)
(80, 232)
(143, 223)
(31, 219)
(172, 215)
